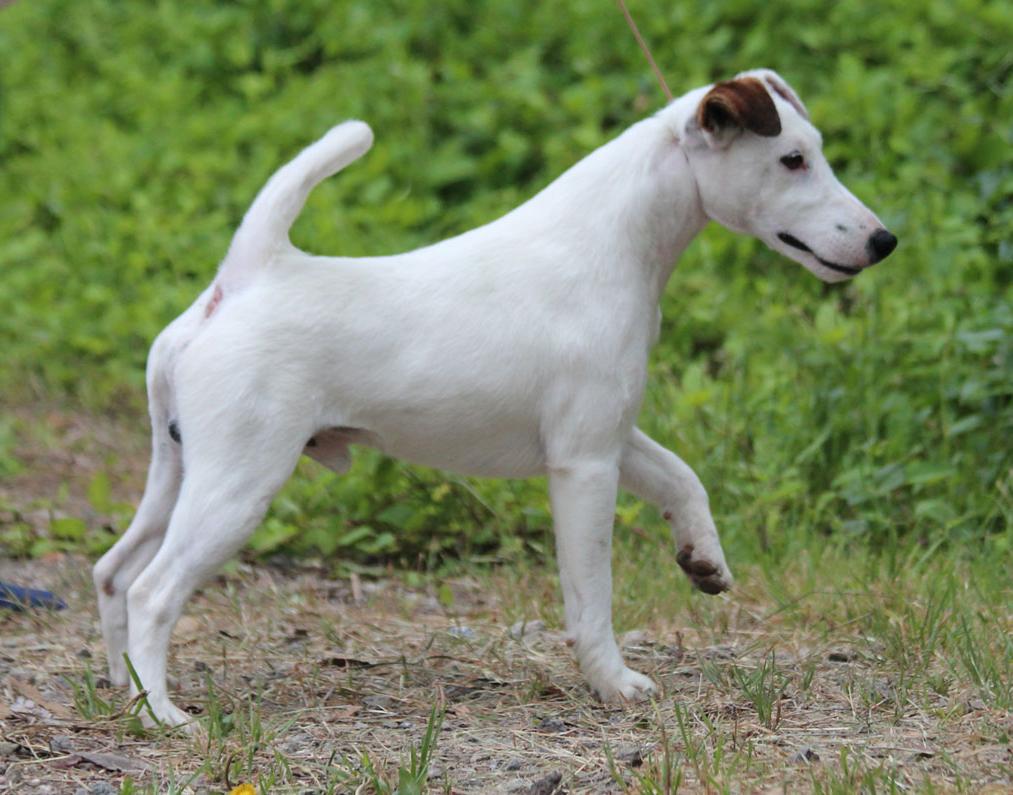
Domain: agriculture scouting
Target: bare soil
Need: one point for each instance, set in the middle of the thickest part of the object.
(334, 669)
(304, 681)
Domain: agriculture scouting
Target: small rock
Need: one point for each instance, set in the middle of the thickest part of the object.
(550, 785)
(551, 724)
(103, 788)
(464, 633)
(524, 628)
(435, 771)
(201, 667)
(634, 637)
(378, 702)
(513, 763)
(8, 749)
(804, 755)
(631, 755)
(296, 742)
(84, 654)
(62, 744)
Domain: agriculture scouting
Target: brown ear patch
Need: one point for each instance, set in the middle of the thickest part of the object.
(741, 103)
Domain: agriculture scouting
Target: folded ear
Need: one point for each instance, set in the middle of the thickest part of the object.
(779, 86)
(737, 105)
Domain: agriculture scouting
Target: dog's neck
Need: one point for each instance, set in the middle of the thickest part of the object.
(630, 207)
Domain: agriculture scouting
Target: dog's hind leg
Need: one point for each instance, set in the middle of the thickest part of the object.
(228, 484)
(660, 477)
(116, 570)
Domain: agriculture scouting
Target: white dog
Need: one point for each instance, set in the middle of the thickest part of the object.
(516, 349)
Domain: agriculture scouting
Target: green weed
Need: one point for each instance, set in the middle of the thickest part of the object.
(412, 775)
(87, 701)
(875, 412)
(764, 686)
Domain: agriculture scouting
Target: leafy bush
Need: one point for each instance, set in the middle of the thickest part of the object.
(133, 136)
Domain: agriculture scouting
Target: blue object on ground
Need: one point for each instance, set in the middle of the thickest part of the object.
(16, 597)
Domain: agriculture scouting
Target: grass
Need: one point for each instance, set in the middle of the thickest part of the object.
(413, 776)
(831, 672)
(875, 410)
(834, 665)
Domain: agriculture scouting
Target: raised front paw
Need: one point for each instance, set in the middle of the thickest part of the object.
(709, 576)
(627, 685)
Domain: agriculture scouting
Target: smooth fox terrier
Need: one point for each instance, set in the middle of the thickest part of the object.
(516, 349)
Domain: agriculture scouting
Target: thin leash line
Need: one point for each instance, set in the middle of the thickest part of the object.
(644, 48)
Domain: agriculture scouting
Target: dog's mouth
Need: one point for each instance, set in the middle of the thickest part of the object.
(794, 242)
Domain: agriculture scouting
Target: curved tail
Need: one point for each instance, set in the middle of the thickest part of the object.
(266, 224)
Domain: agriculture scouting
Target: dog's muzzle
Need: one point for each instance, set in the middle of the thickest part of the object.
(880, 245)
(794, 242)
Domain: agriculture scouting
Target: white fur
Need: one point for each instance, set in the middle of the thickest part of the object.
(515, 349)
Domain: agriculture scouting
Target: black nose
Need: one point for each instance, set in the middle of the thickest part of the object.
(880, 245)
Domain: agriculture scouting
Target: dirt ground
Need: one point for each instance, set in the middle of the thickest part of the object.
(303, 682)
(317, 672)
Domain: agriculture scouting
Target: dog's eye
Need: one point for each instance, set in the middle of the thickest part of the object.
(794, 161)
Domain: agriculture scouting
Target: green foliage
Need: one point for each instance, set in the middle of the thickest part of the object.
(132, 137)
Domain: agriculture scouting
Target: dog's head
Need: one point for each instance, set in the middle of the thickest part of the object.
(759, 168)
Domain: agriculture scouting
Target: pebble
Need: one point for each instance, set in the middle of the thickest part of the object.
(465, 633)
(631, 755)
(297, 742)
(548, 785)
(378, 702)
(62, 744)
(632, 638)
(523, 628)
(804, 755)
(552, 724)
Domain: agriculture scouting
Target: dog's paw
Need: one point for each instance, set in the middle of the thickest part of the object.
(627, 685)
(118, 675)
(168, 716)
(706, 575)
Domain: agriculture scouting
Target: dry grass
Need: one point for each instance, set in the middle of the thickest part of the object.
(307, 682)
(827, 669)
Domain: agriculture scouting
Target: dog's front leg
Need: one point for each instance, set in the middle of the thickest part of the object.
(583, 505)
(660, 477)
